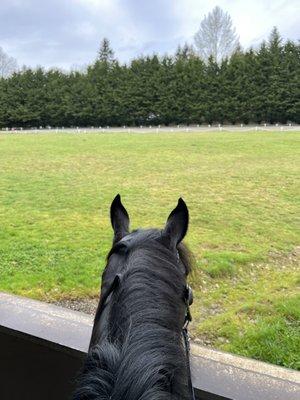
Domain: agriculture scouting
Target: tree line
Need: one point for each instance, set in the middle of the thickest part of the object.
(252, 86)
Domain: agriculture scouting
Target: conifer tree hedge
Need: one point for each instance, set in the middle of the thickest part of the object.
(251, 87)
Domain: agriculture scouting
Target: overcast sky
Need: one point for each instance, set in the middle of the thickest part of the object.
(65, 33)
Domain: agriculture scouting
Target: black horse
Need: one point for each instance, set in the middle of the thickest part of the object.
(138, 345)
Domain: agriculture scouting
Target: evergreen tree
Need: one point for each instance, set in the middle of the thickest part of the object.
(291, 78)
(241, 93)
(276, 93)
(25, 98)
(105, 54)
(166, 94)
(262, 81)
(211, 109)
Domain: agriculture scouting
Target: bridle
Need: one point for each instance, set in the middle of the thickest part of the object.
(188, 299)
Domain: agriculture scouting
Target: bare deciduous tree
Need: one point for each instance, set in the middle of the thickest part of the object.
(8, 65)
(216, 36)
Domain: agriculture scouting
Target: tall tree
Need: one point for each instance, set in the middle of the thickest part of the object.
(57, 98)
(216, 36)
(212, 92)
(144, 86)
(8, 65)
(277, 84)
(105, 52)
(291, 77)
(186, 51)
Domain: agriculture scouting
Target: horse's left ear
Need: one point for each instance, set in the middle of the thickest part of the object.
(177, 225)
(119, 219)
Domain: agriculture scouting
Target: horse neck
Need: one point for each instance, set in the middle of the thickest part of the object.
(140, 354)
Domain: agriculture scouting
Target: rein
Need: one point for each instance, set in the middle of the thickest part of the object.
(186, 338)
(188, 299)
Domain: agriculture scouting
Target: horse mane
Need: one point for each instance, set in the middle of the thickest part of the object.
(142, 356)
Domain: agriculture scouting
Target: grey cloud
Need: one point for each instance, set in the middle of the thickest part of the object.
(41, 32)
(68, 32)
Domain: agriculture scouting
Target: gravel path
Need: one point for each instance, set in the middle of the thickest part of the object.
(87, 306)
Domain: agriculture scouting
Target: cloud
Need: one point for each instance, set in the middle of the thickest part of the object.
(67, 32)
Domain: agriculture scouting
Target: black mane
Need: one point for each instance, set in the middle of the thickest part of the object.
(136, 350)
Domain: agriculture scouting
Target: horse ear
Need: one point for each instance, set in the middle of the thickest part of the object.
(177, 225)
(119, 219)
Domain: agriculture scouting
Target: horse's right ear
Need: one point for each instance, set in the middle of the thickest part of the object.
(177, 225)
(119, 219)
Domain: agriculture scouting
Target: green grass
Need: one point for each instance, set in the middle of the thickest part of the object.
(242, 190)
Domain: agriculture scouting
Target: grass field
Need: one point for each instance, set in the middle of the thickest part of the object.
(242, 190)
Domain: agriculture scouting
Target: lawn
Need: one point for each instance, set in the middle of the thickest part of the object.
(242, 190)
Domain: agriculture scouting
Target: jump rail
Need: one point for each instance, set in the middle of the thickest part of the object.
(42, 347)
